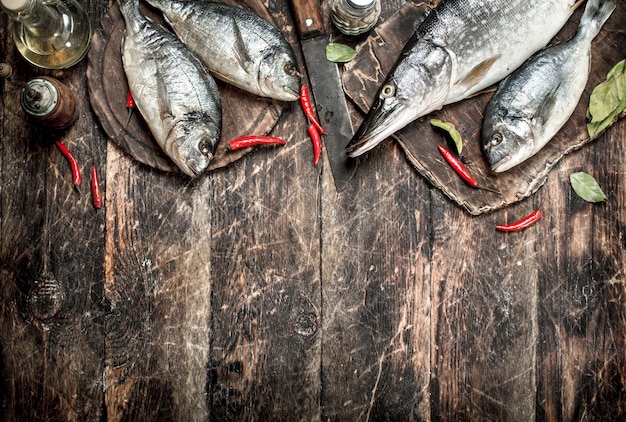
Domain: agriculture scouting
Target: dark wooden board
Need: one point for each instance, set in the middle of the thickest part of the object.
(242, 113)
(218, 280)
(377, 55)
(260, 293)
(51, 258)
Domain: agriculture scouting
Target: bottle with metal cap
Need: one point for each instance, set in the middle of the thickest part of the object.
(51, 34)
(354, 17)
(49, 102)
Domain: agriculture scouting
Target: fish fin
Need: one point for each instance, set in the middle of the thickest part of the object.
(545, 109)
(491, 88)
(163, 100)
(477, 74)
(241, 52)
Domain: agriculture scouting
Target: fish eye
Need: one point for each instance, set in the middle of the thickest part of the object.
(388, 91)
(204, 147)
(292, 70)
(496, 139)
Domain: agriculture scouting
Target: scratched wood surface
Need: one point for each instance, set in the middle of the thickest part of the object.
(258, 292)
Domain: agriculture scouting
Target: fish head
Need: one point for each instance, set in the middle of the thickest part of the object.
(279, 77)
(507, 141)
(413, 89)
(194, 144)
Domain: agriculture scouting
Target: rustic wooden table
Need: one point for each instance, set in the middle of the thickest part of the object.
(257, 292)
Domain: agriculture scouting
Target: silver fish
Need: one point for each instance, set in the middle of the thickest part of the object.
(238, 46)
(461, 48)
(173, 91)
(533, 103)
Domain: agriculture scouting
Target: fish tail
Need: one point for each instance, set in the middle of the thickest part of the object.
(597, 12)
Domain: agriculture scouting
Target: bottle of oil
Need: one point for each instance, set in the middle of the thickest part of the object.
(51, 34)
(49, 102)
(354, 17)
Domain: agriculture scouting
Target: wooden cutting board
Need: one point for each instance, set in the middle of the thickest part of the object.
(376, 56)
(242, 113)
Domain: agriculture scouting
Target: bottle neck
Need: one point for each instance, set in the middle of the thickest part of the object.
(38, 18)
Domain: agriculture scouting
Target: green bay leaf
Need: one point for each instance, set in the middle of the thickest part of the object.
(597, 127)
(618, 68)
(586, 187)
(454, 134)
(607, 96)
(339, 53)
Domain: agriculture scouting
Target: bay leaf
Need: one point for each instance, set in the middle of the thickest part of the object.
(339, 53)
(586, 187)
(454, 134)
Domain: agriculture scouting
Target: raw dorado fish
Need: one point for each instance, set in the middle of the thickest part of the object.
(461, 48)
(173, 91)
(237, 46)
(533, 103)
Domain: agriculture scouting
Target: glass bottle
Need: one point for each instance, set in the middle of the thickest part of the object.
(354, 17)
(51, 34)
(50, 102)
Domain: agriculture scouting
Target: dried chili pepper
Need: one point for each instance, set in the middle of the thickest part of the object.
(76, 176)
(527, 221)
(307, 107)
(461, 170)
(254, 140)
(96, 191)
(130, 105)
(456, 164)
(317, 143)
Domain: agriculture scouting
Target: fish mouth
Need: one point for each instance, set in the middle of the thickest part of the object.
(503, 164)
(381, 122)
(292, 91)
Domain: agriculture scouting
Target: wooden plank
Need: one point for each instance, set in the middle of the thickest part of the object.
(265, 343)
(376, 294)
(158, 288)
(51, 260)
(214, 287)
(484, 315)
(581, 285)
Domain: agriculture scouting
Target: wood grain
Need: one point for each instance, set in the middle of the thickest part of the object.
(376, 295)
(257, 292)
(51, 262)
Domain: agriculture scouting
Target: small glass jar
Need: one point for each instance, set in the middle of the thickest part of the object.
(354, 17)
(52, 34)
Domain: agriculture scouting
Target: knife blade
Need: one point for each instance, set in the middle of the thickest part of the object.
(327, 90)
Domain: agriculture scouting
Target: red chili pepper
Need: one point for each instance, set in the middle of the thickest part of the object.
(456, 164)
(317, 143)
(130, 101)
(96, 191)
(527, 221)
(76, 176)
(254, 140)
(307, 107)
(130, 105)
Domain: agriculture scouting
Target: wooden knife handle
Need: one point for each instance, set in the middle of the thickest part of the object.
(308, 18)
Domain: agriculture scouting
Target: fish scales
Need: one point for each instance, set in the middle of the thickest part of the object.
(238, 46)
(532, 104)
(461, 48)
(173, 91)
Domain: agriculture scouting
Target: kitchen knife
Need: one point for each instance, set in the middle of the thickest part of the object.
(327, 90)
